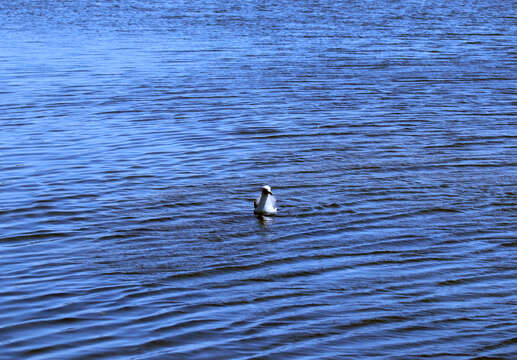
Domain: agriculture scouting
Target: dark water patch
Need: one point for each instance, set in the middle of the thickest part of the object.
(33, 236)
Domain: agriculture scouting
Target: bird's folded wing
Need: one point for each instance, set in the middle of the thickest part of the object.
(273, 200)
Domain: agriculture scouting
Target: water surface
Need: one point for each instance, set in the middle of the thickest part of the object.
(135, 136)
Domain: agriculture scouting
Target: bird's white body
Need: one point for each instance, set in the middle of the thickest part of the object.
(265, 204)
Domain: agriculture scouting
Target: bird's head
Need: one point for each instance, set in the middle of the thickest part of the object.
(266, 189)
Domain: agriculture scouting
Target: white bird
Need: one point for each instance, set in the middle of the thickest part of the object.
(265, 204)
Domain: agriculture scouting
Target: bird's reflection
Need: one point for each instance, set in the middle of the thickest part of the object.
(265, 220)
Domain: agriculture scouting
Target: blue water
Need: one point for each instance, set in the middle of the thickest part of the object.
(134, 137)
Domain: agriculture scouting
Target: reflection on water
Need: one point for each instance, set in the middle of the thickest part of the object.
(265, 221)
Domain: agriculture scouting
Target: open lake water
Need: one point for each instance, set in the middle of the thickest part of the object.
(134, 136)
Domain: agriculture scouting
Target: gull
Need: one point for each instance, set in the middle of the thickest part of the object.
(265, 205)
